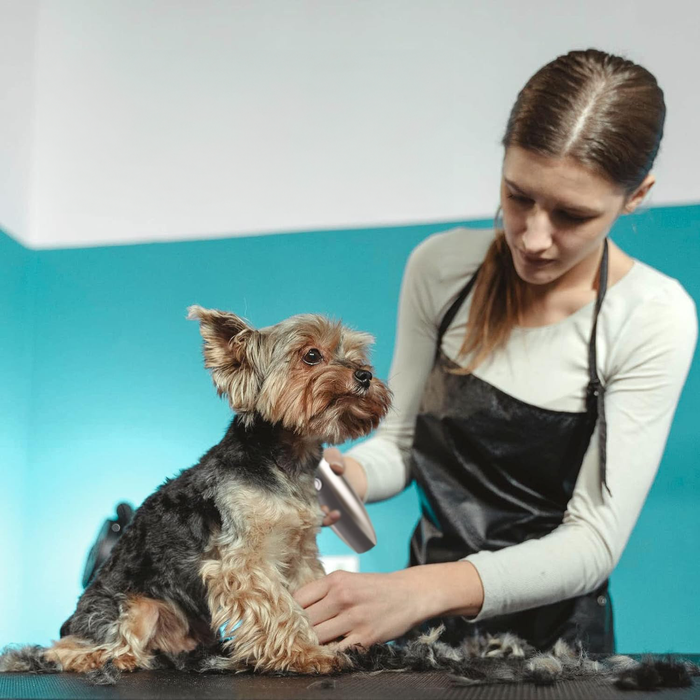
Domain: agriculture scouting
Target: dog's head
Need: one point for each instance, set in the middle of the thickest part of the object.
(308, 373)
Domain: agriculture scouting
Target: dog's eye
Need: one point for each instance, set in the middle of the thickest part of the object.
(313, 357)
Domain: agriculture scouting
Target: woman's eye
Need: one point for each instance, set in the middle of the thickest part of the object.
(313, 357)
(575, 219)
(564, 215)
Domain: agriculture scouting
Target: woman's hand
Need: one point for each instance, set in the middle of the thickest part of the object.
(360, 608)
(368, 608)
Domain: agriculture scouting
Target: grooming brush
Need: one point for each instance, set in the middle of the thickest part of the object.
(354, 527)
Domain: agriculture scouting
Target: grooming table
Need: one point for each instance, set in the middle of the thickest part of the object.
(173, 685)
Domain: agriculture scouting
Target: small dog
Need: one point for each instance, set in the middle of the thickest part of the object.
(228, 541)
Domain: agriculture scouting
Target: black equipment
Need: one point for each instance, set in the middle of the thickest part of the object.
(109, 534)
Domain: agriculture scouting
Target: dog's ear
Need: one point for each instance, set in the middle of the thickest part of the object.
(232, 353)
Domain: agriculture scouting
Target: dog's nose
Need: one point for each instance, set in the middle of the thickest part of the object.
(363, 377)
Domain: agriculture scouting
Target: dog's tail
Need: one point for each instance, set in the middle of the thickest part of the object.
(507, 659)
(26, 659)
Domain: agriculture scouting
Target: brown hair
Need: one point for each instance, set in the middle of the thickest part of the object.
(602, 110)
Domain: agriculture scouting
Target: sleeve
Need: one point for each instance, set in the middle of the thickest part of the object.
(647, 374)
(385, 456)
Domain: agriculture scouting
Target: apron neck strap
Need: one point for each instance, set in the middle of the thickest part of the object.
(602, 288)
(452, 311)
(595, 394)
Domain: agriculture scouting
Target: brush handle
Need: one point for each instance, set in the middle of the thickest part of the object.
(354, 527)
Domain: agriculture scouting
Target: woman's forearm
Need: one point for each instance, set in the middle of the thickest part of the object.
(452, 588)
(355, 476)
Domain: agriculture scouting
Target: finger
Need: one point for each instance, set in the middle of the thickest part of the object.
(334, 457)
(330, 629)
(321, 611)
(332, 454)
(312, 592)
(331, 516)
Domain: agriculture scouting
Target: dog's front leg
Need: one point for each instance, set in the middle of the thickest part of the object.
(306, 567)
(274, 633)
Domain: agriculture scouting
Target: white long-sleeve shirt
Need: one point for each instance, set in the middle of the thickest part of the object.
(647, 332)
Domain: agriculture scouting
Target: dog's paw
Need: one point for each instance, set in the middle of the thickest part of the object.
(125, 662)
(316, 660)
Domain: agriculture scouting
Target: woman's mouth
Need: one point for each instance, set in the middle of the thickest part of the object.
(535, 262)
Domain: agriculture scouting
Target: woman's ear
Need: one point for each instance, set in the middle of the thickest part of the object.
(641, 192)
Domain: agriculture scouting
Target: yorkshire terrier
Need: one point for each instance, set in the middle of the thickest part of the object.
(227, 542)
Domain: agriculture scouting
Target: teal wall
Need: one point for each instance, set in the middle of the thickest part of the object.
(16, 330)
(120, 399)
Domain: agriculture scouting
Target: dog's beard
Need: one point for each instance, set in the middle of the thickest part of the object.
(349, 417)
(332, 407)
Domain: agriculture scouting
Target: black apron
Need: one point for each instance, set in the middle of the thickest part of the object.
(493, 471)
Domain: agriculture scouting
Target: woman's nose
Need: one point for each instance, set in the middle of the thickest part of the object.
(538, 233)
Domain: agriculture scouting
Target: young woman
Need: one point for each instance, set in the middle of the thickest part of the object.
(536, 372)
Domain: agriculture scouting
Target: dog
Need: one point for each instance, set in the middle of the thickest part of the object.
(226, 543)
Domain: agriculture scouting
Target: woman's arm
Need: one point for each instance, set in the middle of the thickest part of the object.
(383, 458)
(435, 272)
(648, 369)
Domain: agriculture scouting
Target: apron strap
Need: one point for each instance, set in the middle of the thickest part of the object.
(452, 311)
(595, 392)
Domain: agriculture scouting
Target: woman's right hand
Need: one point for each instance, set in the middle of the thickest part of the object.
(353, 474)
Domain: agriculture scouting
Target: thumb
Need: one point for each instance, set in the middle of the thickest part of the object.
(334, 457)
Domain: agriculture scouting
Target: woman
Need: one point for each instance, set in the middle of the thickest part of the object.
(536, 373)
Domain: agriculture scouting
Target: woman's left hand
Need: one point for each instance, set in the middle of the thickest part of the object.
(362, 608)
(365, 609)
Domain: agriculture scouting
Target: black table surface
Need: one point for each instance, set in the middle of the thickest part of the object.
(384, 685)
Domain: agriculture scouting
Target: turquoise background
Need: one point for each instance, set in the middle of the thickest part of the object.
(16, 333)
(104, 395)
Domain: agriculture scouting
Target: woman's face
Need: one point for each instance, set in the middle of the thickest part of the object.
(555, 214)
